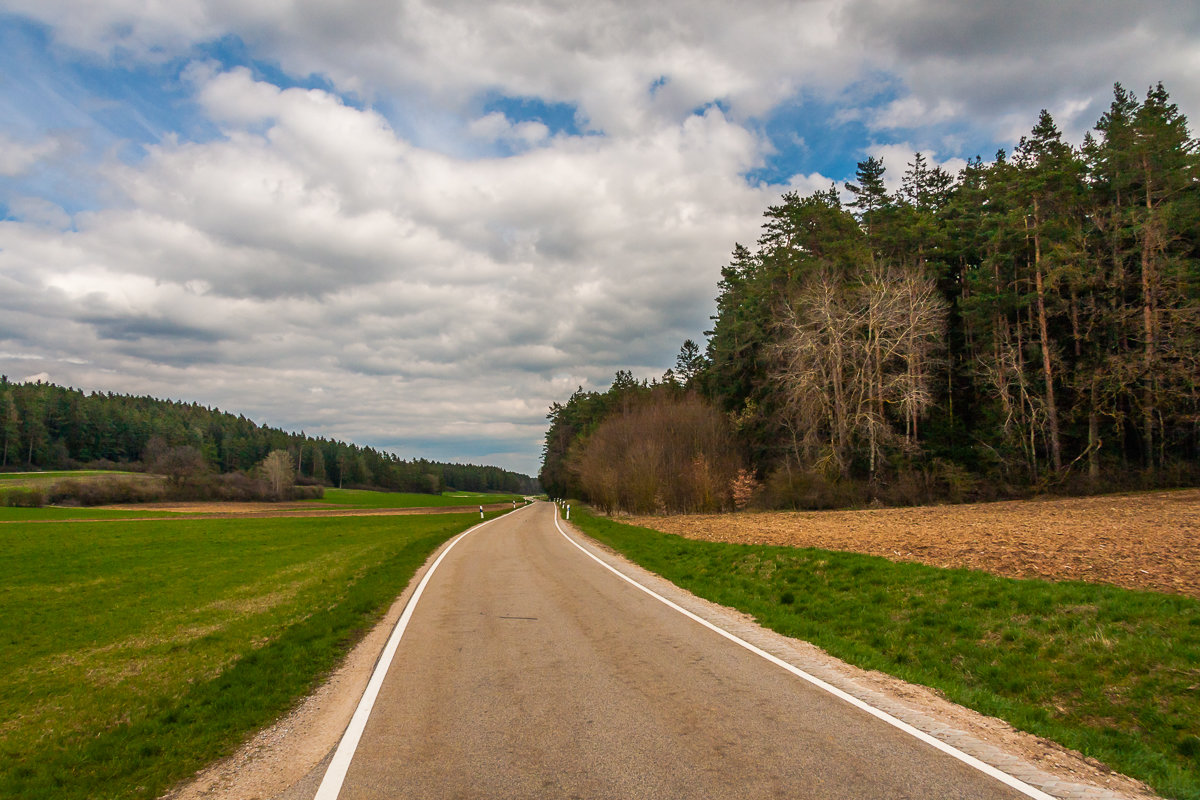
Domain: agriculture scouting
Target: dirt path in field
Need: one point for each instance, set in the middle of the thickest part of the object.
(1137, 541)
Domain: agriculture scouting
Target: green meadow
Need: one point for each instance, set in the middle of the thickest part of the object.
(133, 653)
(32, 478)
(362, 498)
(50, 513)
(1112, 673)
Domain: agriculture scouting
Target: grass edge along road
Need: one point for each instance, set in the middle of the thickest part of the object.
(135, 653)
(1112, 673)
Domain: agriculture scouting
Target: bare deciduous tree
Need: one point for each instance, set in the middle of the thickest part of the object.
(847, 354)
(278, 470)
(180, 465)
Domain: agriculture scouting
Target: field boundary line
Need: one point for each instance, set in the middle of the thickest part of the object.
(335, 775)
(966, 758)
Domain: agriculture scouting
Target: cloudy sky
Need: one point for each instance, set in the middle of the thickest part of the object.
(415, 224)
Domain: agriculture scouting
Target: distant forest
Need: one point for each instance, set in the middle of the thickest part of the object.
(43, 426)
(1031, 324)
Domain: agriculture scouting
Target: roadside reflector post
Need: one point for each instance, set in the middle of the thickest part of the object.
(481, 512)
(568, 511)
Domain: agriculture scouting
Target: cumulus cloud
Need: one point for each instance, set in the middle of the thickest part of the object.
(18, 157)
(996, 64)
(604, 58)
(497, 126)
(394, 259)
(312, 246)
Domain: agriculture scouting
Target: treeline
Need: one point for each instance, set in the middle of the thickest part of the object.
(43, 426)
(1030, 324)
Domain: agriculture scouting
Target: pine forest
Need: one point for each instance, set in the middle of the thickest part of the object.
(1030, 324)
(43, 426)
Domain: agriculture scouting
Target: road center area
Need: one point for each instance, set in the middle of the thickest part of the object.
(527, 670)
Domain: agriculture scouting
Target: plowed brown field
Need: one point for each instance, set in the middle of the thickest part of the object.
(1138, 541)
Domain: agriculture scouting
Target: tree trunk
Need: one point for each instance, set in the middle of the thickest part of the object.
(1047, 368)
(1093, 447)
(1025, 402)
(1148, 332)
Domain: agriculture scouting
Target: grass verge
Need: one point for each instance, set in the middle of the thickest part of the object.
(134, 653)
(1110, 672)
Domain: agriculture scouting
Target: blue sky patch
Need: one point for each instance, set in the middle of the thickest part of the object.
(812, 135)
(231, 52)
(98, 109)
(558, 117)
(46, 88)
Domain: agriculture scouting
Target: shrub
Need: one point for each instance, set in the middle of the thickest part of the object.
(811, 490)
(105, 491)
(666, 454)
(307, 492)
(743, 489)
(23, 497)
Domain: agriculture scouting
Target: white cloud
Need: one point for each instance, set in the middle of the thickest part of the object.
(913, 112)
(603, 58)
(498, 127)
(17, 157)
(996, 64)
(39, 211)
(430, 296)
(377, 248)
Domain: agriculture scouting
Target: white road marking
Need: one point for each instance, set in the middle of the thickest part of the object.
(967, 759)
(335, 775)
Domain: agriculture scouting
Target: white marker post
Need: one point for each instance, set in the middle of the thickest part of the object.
(481, 512)
(568, 511)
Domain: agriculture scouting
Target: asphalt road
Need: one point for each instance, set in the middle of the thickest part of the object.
(530, 671)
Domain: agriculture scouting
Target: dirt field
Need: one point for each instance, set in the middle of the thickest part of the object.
(1138, 541)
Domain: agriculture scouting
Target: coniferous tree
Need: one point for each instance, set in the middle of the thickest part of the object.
(688, 363)
(1048, 176)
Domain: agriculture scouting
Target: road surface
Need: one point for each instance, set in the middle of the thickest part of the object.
(528, 670)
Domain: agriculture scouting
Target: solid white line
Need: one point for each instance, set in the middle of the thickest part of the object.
(970, 760)
(335, 775)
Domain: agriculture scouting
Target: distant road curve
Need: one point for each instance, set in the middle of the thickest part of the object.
(527, 669)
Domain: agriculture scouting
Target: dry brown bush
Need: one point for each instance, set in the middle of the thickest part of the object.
(670, 453)
(743, 489)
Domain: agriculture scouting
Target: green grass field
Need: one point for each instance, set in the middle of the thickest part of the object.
(133, 653)
(354, 498)
(32, 478)
(1112, 673)
(8, 514)
(361, 498)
